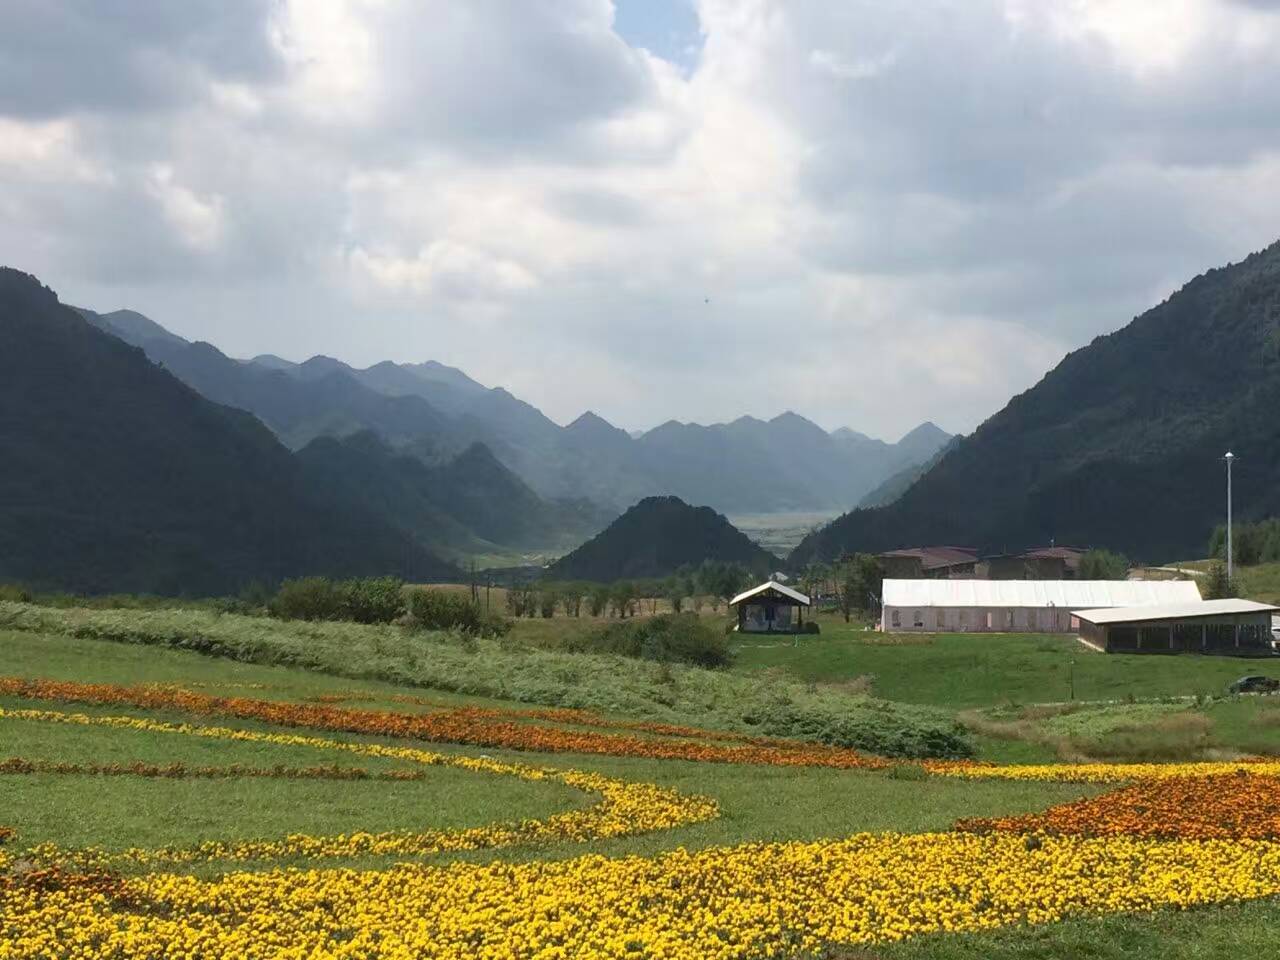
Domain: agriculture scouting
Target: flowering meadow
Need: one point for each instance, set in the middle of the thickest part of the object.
(1158, 836)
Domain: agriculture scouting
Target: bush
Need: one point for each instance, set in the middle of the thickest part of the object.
(1103, 565)
(14, 593)
(670, 638)
(375, 600)
(366, 600)
(309, 598)
(441, 610)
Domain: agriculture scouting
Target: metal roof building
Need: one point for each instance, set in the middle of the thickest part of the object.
(1008, 606)
(1234, 627)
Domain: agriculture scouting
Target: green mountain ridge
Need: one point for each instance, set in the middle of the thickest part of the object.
(119, 477)
(1120, 445)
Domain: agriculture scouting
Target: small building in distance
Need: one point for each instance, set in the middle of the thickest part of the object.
(914, 563)
(771, 607)
(1224, 627)
(1016, 606)
(1039, 563)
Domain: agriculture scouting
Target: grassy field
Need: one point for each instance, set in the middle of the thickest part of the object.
(992, 681)
(971, 670)
(760, 803)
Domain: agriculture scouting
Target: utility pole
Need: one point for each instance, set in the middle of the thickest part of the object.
(1230, 457)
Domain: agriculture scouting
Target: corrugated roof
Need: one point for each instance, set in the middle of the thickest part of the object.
(1173, 611)
(1073, 594)
(933, 557)
(786, 591)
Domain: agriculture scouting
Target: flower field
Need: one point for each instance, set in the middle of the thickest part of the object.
(1161, 836)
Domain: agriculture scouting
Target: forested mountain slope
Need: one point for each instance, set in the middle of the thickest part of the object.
(117, 476)
(1120, 445)
(658, 536)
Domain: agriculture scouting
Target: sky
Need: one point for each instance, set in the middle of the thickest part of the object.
(869, 213)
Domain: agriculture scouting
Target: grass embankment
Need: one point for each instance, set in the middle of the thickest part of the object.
(1258, 581)
(512, 671)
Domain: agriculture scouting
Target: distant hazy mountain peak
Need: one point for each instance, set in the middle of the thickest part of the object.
(848, 433)
(271, 362)
(130, 326)
(927, 432)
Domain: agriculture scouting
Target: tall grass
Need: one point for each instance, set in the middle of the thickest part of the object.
(765, 703)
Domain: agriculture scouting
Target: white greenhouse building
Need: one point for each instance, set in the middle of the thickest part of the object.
(1016, 606)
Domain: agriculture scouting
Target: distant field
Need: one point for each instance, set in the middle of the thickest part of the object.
(780, 533)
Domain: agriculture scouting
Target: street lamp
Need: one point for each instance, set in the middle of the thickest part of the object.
(1230, 555)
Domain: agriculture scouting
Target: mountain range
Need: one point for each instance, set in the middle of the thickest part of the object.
(1120, 445)
(436, 412)
(119, 477)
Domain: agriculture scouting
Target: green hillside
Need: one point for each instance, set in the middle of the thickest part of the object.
(1120, 445)
(118, 477)
(658, 536)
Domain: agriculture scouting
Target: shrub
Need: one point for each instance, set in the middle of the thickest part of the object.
(14, 593)
(374, 600)
(670, 638)
(1103, 565)
(309, 598)
(440, 610)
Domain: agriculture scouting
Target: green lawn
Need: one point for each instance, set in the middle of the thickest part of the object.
(120, 811)
(1236, 932)
(973, 670)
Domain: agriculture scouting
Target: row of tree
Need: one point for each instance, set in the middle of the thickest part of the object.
(1250, 542)
(709, 584)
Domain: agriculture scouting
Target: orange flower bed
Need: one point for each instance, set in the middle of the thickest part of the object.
(1233, 806)
(466, 725)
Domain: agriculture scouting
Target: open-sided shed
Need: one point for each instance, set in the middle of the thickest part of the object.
(1232, 627)
(769, 608)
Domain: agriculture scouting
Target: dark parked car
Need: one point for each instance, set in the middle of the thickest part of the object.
(1255, 684)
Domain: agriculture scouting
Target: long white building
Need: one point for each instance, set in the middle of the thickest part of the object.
(1016, 606)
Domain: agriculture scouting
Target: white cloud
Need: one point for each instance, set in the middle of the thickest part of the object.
(871, 213)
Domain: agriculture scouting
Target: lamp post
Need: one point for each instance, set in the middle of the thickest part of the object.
(1230, 554)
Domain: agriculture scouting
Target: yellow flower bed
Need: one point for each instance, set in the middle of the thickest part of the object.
(717, 904)
(623, 808)
(1098, 772)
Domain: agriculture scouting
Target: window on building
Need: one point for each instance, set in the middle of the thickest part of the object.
(1008, 619)
(918, 619)
(962, 620)
(897, 618)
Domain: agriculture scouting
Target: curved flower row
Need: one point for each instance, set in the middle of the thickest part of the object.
(466, 725)
(716, 904)
(182, 771)
(624, 807)
(1100, 772)
(1224, 806)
